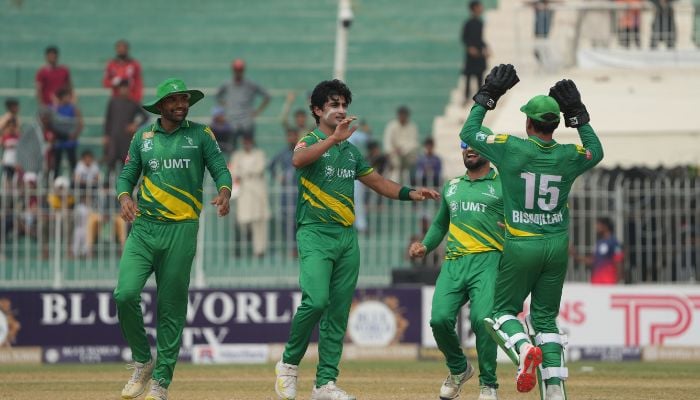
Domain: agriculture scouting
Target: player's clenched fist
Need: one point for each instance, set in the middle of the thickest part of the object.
(417, 250)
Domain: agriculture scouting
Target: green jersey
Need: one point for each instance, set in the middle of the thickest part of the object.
(469, 213)
(536, 175)
(327, 185)
(172, 165)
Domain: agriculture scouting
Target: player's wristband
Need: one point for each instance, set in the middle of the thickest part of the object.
(404, 193)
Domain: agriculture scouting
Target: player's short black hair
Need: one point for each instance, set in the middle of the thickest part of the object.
(473, 4)
(429, 142)
(51, 49)
(324, 91)
(607, 223)
(544, 127)
(11, 102)
(86, 153)
(372, 144)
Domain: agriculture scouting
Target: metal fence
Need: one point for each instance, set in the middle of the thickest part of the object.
(72, 237)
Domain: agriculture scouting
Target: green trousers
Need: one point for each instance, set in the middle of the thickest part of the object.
(166, 249)
(470, 278)
(329, 265)
(537, 266)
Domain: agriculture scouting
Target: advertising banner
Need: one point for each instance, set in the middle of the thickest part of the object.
(80, 325)
(602, 318)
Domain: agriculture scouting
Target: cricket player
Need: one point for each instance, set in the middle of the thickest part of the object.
(171, 155)
(327, 166)
(537, 174)
(470, 213)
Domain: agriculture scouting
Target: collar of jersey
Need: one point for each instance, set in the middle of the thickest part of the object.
(543, 144)
(158, 128)
(490, 176)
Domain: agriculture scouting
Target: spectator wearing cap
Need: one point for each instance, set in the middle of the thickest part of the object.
(428, 170)
(123, 68)
(122, 118)
(237, 97)
(222, 130)
(51, 78)
(401, 143)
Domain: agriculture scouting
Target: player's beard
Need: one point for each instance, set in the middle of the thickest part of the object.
(171, 115)
(475, 164)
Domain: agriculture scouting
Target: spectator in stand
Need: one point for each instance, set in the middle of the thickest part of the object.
(123, 68)
(238, 99)
(401, 144)
(606, 262)
(223, 132)
(628, 23)
(378, 160)
(252, 211)
(283, 174)
(8, 141)
(30, 148)
(87, 172)
(429, 166)
(475, 49)
(51, 78)
(124, 116)
(301, 122)
(11, 112)
(86, 225)
(66, 123)
(663, 28)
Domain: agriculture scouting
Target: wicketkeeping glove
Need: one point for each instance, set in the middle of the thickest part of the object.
(501, 78)
(569, 99)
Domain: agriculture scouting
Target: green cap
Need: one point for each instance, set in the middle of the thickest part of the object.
(542, 108)
(172, 86)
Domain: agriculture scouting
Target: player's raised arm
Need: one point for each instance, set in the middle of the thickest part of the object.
(576, 116)
(499, 80)
(304, 155)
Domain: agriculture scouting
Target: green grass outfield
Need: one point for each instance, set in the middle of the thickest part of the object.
(368, 380)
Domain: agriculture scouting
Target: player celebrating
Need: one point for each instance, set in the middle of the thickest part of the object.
(327, 166)
(172, 154)
(537, 175)
(470, 213)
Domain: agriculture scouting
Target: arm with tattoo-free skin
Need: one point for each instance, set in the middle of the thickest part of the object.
(308, 155)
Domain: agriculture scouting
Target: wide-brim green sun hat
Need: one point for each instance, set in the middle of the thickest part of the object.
(542, 108)
(169, 87)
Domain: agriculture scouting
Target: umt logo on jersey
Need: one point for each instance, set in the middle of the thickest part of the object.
(636, 306)
(176, 163)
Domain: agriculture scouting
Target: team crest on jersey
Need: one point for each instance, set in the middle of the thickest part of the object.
(147, 145)
(190, 143)
(147, 135)
(153, 164)
(330, 171)
(352, 158)
(454, 206)
(481, 136)
(492, 192)
(326, 155)
(452, 189)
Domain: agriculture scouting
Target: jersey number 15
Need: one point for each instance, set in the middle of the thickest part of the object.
(545, 190)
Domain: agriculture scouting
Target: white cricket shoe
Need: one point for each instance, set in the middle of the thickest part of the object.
(554, 392)
(530, 359)
(137, 383)
(330, 392)
(157, 392)
(488, 393)
(286, 383)
(453, 383)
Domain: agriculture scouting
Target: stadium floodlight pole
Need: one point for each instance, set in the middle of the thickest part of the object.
(345, 17)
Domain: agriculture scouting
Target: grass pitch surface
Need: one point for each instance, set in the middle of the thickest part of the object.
(368, 380)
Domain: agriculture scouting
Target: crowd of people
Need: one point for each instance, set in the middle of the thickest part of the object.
(45, 152)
